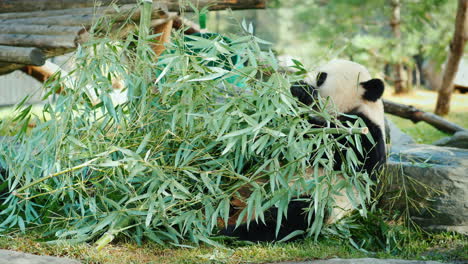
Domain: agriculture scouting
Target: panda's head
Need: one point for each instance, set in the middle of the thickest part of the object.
(348, 85)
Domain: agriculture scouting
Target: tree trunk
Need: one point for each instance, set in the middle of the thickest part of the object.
(431, 75)
(409, 78)
(399, 81)
(457, 46)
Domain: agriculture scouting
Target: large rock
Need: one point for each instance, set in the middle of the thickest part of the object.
(437, 179)
(396, 136)
(13, 257)
(363, 261)
(458, 140)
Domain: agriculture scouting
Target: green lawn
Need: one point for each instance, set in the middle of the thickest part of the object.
(442, 247)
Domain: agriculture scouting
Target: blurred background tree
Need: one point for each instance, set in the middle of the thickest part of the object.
(361, 30)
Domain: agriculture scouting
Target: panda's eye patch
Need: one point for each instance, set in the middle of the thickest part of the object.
(321, 77)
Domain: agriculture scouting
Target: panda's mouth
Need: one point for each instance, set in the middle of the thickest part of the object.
(304, 92)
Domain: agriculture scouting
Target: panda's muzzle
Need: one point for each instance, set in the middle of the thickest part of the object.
(304, 92)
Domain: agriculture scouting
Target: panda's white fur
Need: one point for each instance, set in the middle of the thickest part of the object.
(343, 87)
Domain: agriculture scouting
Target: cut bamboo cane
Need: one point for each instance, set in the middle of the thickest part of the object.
(22, 55)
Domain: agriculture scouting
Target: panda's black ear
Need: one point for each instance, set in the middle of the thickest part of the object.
(374, 89)
(321, 77)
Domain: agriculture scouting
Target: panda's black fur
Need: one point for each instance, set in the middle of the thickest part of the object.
(373, 159)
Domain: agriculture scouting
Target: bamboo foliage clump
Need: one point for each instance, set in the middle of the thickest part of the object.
(207, 118)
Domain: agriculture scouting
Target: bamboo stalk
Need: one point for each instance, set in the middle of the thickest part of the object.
(27, 55)
(86, 164)
(339, 130)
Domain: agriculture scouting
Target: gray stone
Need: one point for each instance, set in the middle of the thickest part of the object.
(13, 257)
(458, 140)
(436, 178)
(363, 261)
(396, 136)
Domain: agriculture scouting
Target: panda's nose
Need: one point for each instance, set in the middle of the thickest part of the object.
(304, 92)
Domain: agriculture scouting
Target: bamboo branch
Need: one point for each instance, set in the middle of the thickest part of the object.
(416, 115)
(86, 164)
(339, 130)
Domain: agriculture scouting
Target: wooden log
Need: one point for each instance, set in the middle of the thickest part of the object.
(165, 30)
(39, 73)
(173, 5)
(121, 31)
(68, 11)
(40, 29)
(7, 67)
(189, 27)
(40, 5)
(416, 115)
(26, 55)
(63, 20)
(81, 19)
(42, 41)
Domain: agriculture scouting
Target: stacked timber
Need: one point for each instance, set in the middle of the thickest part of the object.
(34, 30)
(172, 5)
(29, 38)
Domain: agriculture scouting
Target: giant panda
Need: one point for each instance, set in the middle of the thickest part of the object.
(353, 93)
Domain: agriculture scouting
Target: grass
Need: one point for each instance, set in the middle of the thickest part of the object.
(426, 100)
(442, 247)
